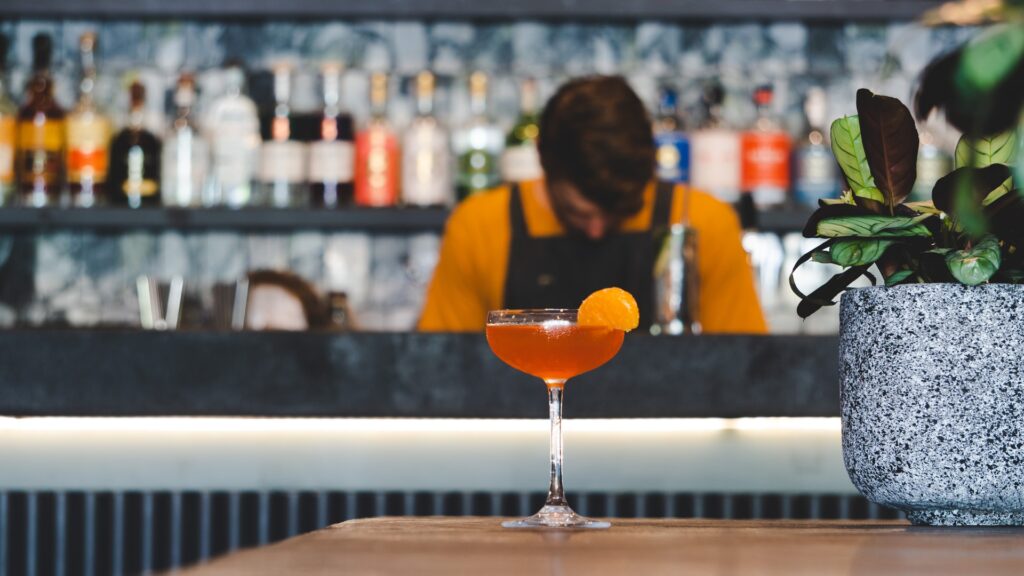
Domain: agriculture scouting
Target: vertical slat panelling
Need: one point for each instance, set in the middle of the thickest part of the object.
(90, 533)
(3, 533)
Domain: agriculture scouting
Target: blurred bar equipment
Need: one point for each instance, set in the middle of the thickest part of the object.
(154, 314)
(676, 280)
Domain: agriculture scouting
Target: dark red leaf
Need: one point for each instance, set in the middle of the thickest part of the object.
(890, 143)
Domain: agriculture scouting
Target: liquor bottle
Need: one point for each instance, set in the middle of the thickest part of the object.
(377, 152)
(186, 155)
(673, 147)
(41, 134)
(88, 134)
(765, 154)
(426, 158)
(477, 145)
(521, 162)
(233, 130)
(932, 163)
(715, 150)
(816, 177)
(8, 132)
(332, 157)
(283, 163)
(135, 158)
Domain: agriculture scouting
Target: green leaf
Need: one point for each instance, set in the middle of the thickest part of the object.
(981, 152)
(977, 265)
(873, 227)
(989, 57)
(890, 144)
(845, 198)
(848, 148)
(858, 252)
(898, 276)
(822, 257)
(870, 194)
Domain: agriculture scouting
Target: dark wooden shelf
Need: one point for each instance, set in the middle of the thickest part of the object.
(252, 219)
(828, 10)
(394, 220)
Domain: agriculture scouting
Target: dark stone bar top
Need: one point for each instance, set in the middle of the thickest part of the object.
(135, 373)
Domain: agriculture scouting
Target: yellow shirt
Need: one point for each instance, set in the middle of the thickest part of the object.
(470, 276)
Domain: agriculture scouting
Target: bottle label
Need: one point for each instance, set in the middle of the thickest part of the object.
(7, 147)
(331, 161)
(521, 163)
(87, 149)
(929, 169)
(137, 184)
(716, 163)
(426, 167)
(40, 149)
(815, 177)
(673, 157)
(235, 145)
(765, 161)
(376, 168)
(283, 161)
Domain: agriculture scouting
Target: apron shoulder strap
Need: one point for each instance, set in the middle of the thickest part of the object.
(515, 210)
(662, 214)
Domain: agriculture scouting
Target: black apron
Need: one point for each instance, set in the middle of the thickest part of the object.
(560, 271)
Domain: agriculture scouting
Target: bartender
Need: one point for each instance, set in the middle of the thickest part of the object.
(588, 224)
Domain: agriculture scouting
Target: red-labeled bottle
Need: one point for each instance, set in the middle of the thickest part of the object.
(765, 154)
(377, 173)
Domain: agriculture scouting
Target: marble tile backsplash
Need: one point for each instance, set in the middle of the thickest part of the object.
(87, 279)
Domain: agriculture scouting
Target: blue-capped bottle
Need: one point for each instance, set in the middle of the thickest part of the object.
(817, 177)
(672, 143)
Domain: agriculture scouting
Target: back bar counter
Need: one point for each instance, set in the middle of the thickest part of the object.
(129, 373)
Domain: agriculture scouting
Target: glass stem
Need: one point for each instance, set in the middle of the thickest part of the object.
(556, 494)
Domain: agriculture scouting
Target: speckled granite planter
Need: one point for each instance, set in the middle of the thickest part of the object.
(933, 400)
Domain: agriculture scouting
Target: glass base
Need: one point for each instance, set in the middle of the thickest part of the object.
(556, 517)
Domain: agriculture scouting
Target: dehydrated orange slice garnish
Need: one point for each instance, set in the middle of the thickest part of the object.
(610, 307)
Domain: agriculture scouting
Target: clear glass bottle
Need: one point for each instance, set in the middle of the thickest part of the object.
(932, 163)
(764, 155)
(377, 172)
(41, 133)
(715, 150)
(332, 157)
(186, 156)
(816, 176)
(8, 132)
(520, 161)
(283, 163)
(670, 139)
(426, 157)
(88, 135)
(478, 144)
(233, 131)
(135, 158)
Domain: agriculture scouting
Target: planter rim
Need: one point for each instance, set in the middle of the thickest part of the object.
(935, 286)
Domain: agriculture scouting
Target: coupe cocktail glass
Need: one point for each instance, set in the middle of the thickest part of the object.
(550, 345)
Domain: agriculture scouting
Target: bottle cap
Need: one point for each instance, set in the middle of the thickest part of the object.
(42, 50)
(137, 94)
(185, 93)
(763, 95)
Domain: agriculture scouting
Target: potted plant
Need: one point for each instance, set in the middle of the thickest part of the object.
(932, 358)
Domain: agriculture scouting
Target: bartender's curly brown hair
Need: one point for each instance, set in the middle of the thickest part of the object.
(596, 134)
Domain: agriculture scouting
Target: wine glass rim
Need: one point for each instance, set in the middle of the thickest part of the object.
(535, 314)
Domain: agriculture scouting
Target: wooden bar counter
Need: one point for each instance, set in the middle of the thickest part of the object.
(447, 546)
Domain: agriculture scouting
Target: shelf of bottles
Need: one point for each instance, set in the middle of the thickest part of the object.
(458, 9)
(236, 168)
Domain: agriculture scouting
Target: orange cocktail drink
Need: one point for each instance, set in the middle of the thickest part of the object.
(554, 350)
(556, 345)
